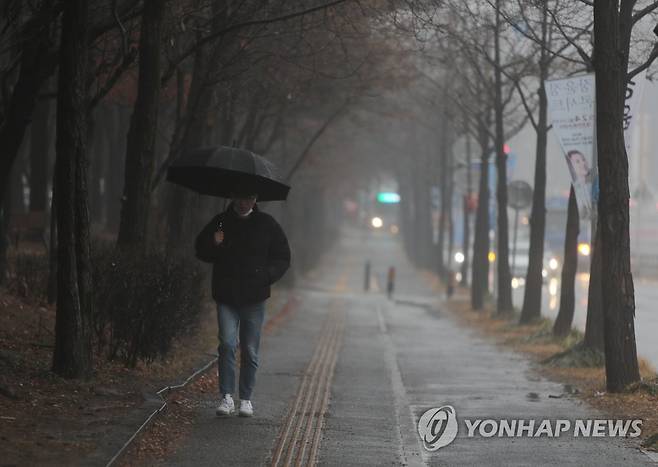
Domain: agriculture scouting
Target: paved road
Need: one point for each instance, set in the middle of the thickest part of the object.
(346, 379)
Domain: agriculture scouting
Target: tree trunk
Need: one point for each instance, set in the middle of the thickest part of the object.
(119, 121)
(418, 228)
(594, 323)
(425, 224)
(449, 214)
(4, 237)
(17, 205)
(443, 211)
(617, 281)
(188, 133)
(504, 302)
(39, 147)
(72, 357)
(466, 245)
(53, 250)
(562, 325)
(100, 167)
(140, 149)
(406, 208)
(36, 65)
(531, 310)
(480, 268)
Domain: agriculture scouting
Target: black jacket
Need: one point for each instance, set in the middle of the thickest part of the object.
(253, 255)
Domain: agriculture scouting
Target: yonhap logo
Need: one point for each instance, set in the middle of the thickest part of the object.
(438, 427)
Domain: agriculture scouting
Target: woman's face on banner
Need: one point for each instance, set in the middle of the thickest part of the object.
(579, 164)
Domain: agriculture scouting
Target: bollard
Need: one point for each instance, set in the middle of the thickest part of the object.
(390, 283)
(366, 282)
(450, 286)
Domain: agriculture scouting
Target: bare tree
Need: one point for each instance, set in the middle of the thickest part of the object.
(613, 23)
(72, 356)
(537, 23)
(140, 153)
(562, 325)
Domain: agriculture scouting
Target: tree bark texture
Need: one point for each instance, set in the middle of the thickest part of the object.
(466, 245)
(564, 319)
(531, 310)
(504, 299)
(189, 131)
(36, 65)
(447, 277)
(610, 59)
(594, 322)
(443, 210)
(72, 357)
(140, 149)
(480, 268)
(39, 157)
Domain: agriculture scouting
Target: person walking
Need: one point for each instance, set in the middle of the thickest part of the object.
(249, 252)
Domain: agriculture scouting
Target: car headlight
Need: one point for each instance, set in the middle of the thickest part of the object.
(584, 249)
(553, 264)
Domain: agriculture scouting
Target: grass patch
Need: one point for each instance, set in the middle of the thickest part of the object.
(648, 386)
(576, 356)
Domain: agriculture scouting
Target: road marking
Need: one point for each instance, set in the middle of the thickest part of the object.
(298, 441)
(410, 451)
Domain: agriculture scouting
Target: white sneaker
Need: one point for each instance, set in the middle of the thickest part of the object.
(246, 410)
(226, 406)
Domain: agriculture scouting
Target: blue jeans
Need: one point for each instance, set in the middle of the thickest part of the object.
(249, 320)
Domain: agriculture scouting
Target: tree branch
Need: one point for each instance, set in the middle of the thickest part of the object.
(637, 16)
(527, 108)
(652, 57)
(220, 32)
(315, 137)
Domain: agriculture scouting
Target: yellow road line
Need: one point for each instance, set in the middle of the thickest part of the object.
(315, 360)
(323, 410)
(301, 432)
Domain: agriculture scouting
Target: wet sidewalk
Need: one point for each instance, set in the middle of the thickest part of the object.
(381, 365)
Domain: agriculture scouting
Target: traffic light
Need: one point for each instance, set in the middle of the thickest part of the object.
(387, 197)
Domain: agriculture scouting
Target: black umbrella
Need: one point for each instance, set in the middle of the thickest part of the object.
(223, 171)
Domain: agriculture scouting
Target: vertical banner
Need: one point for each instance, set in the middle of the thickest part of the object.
(631, 107)
(571, 109)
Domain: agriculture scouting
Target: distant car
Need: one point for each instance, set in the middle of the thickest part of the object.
(552, 263)
(519, 266)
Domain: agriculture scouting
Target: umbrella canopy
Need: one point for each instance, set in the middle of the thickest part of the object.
(223, 171)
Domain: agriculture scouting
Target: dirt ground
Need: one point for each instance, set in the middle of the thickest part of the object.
(47, 420)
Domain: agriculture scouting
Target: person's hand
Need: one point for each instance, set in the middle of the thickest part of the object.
(219, 237)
